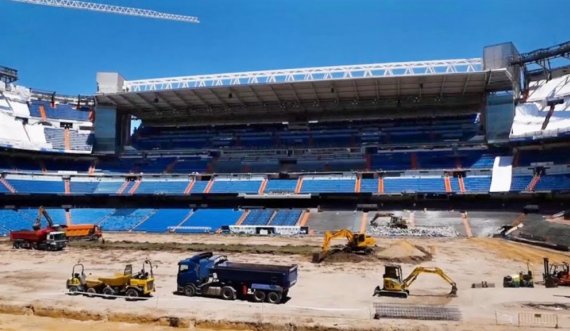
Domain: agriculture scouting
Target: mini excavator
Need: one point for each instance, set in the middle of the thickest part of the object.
(396, 222)
(394, 286)
(356, 243)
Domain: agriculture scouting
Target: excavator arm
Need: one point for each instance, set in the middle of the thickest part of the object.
(407, 282)
(330, 235)
(42, 212)
(356, 242)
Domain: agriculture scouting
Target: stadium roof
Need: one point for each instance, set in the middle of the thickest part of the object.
(294, 87)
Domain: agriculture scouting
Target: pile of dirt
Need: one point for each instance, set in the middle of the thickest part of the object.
(403, 251)
(340, 256)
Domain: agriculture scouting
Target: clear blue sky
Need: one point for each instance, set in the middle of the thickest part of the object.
(62, 49)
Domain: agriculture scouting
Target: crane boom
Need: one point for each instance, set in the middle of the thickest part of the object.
(120, 10)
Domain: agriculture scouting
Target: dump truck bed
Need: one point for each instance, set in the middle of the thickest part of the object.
(284, 276)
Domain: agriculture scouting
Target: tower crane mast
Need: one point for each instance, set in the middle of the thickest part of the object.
(112, 9)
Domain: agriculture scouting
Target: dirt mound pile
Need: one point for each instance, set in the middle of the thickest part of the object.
(403, 251)
(340, 256)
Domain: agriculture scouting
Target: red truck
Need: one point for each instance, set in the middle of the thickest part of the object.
(50, 238)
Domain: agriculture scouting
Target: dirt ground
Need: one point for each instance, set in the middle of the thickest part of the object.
(328, 295)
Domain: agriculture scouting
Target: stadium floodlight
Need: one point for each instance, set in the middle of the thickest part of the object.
(111, 9)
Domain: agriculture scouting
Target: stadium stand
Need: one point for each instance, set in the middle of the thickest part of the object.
(163, 219)
(125, 219)
(258, 217)
(416, 143)
(225, 185)
(209, 220)
(288, 217)
(322, 184)
(162, 186)
(281, 186)
(477, 184)
(59, 112)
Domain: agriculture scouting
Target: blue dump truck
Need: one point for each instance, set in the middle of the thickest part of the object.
(212, 275)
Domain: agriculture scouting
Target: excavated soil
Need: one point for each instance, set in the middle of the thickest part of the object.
(403, 251)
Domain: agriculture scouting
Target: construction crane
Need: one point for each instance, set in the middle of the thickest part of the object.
(111, 9)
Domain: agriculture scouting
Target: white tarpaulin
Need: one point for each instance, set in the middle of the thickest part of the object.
(502, 174)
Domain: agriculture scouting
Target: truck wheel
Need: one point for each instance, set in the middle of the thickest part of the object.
(228, 293)
(190, 290)
(108, 290)
(274, 297)
(16, 245)
(258, 296)
(132, 294)
(91, 292)
(73, 290)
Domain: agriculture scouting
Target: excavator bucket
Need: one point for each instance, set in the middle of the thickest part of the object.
(319, 257)
(453, 292)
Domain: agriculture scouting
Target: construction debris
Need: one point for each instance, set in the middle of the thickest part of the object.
(418, 231)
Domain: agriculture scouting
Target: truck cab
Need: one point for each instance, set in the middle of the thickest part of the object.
(196, 270)
(56, 239)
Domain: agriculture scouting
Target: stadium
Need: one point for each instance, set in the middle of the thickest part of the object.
(274, 159)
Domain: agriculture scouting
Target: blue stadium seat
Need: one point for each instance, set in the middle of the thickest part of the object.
(38, 186)
(108, 187)
(125, 219)
(369, 185)
(89, 215)
(81, 187)
(258, 217)
(199, 186)
(235, 186)
(11, 220)
(328, 185)
(280, 186)
(478, 184)
(171, 187)
(162, 219)
(414, 184)
(519, 183)
(558, 182)
(209, 220)
(286, 217)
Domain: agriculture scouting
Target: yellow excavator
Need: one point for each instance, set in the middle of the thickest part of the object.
(356, 242)
(394, 286)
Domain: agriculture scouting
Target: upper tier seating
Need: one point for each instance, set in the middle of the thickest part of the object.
(461, 159)
(327, 185)
(235, 185)
(281, 186)
(60, 111)
(414, 184)
(163, 186)
(52, 186)
(555, 156)
(462, 128)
